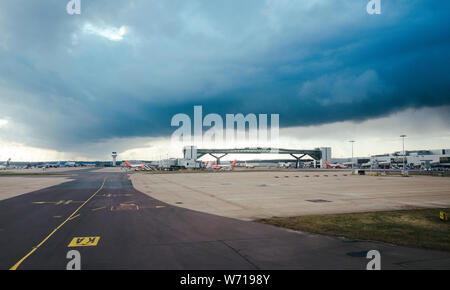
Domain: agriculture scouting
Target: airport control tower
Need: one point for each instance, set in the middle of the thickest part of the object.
(114, 157)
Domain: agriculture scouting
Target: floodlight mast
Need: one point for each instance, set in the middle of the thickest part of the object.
(404, 155)
(352, 141)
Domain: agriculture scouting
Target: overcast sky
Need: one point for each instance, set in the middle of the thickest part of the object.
(110, 79)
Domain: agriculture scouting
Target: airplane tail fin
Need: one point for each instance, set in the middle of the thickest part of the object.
(234, 163)
(8, 162)
(327, 164)
(127, 164)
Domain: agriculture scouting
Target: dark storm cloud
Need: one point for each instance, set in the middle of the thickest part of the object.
(68, 80)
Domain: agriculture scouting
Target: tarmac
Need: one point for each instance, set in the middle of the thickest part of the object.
(114, 226)
(11, 186)
(255, 195)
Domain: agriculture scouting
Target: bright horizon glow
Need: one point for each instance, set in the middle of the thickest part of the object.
(3, 123)
(375, 136)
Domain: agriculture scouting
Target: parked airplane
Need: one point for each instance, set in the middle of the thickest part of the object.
(210, 166)
(28, 166)
(69, 164)
(142, 166)
(251, 165)
(6, 165)
(226, 166)
(336, 165)
(52, 165)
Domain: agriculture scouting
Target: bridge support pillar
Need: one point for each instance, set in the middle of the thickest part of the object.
(218, 157)
(297, 163)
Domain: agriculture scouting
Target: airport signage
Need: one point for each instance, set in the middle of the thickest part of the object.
(84, 242)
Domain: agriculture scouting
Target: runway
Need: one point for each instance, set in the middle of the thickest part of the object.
(130, 230)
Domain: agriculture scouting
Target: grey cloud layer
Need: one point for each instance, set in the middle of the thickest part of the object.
(312, 62)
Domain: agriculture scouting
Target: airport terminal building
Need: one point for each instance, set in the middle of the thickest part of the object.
(424, 159)
(414, 159)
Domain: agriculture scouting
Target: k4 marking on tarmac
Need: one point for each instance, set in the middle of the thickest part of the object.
(16, 265)
(84, 242)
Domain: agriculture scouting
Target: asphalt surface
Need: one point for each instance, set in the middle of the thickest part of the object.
(138, 232)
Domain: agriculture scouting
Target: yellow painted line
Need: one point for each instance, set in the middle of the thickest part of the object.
(84, 242)
(74, 217)
(55, 230)
(95, 209)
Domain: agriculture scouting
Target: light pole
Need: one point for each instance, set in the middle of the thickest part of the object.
(352, 141)
(404, 156)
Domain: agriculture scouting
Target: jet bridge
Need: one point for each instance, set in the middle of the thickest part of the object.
(218, 154)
